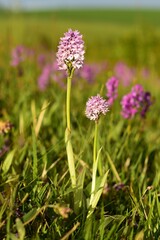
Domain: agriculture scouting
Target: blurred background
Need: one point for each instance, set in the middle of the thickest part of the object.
(122, 40)
(113, 29)
(40, 4)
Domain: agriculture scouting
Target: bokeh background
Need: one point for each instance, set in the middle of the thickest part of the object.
(113, 30)
(122, 39)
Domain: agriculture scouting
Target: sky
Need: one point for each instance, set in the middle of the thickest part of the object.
(34, 4)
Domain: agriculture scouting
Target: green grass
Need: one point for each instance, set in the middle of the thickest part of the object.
(36, 197)
(117, 16)
(109, 34)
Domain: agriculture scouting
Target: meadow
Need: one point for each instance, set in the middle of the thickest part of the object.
(115, 160)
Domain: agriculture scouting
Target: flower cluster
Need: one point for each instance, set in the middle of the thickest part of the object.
(96, 106)
(70, 50)
(137, 101)
(18, 56)
(112, 89)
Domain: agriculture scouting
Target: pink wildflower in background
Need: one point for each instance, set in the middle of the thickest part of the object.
(147, 102)
(96, 106)
(124, 73)
(50, 72)
(58, 76)
(17, 56)
(70, 50)
(128, 106)
(112, 89)
(137, 95)
(44, 78)
(41, 60)
(137, 101)
(20, 54)
(89, 72)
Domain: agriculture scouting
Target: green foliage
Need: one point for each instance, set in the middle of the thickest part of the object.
(36, 197)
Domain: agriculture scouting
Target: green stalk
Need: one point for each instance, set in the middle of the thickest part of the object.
(114, 170)
(94, 170)
(8, 226)
(69, 149)
(68, 100)
(95, 142)
(35, 159)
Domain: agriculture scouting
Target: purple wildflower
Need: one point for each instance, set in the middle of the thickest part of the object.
(128, 107)
(137, 101)
(89, 72)
(96, 106)
(18, 56)
(124, 73)
(41, 60)
(70, 50)
(137, 95)
(50, 72)
(147, 102)
(58, 76)
(112, 89)
(43, 80)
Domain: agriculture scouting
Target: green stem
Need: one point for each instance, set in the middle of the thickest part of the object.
(94, 170)
(95, 142)
(68, 106)
(68, 98)
(35, 159)
(8, 226)
(69, 149)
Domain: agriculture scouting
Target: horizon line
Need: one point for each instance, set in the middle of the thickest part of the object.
(102, 7)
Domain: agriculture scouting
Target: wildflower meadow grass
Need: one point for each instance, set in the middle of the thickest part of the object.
(79, 126)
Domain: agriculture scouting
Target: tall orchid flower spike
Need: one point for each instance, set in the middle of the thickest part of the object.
(70, 51)
(70, 56)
